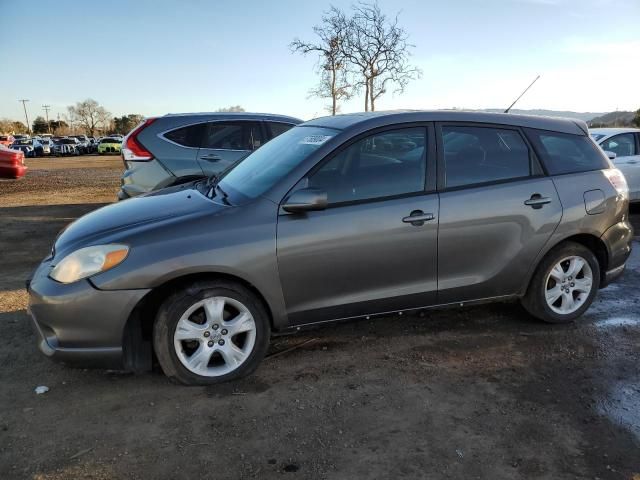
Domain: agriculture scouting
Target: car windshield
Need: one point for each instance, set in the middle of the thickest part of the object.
(270, 163)
(68, 141)
(110, 140)
(597, 136)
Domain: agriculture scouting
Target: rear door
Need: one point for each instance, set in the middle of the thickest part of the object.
(226, 142)
(626, 146)
(497, 210)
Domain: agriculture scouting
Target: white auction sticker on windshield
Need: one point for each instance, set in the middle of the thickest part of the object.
(314, 139)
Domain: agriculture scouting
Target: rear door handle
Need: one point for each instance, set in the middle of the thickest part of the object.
(537, 201)
(418, 217)
(211, 158)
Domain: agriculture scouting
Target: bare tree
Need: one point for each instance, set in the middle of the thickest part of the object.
(233, 108)
(88, 115)
(379, 49)
(332, 63)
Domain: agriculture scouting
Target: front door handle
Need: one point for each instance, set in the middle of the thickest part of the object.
(418, 217)
(537, 201)
(211, 158)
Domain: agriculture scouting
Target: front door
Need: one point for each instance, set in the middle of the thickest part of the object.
(374, 249)
(497, 211)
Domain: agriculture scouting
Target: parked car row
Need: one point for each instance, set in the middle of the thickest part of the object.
(39, 146)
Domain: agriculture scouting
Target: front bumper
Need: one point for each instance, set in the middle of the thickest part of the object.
(78, 323)
(106, 150)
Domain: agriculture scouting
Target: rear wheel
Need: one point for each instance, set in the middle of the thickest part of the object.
(211, 332)
(564, 285)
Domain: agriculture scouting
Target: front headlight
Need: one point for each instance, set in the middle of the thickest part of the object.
(88, 261)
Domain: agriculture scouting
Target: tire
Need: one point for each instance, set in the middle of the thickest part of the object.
(202, 352)
(577, 287)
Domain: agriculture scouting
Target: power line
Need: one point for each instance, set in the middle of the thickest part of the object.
(46, 109)
(24, 105)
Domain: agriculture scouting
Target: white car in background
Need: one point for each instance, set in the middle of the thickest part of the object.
(622, 146)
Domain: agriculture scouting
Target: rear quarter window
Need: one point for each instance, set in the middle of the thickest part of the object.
(566, 153)
(276, 128)
(189, 136)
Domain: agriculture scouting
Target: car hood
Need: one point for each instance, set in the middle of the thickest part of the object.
(111, 221)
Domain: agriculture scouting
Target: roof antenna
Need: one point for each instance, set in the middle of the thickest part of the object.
(522, 94)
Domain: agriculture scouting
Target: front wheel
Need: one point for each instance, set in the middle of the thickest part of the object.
(211, 332)
(564, 285)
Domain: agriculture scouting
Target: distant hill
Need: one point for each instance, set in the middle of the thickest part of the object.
(613, 119)
(585, 116)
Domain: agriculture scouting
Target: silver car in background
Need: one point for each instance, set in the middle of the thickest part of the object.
(622, 146)
(177, 148)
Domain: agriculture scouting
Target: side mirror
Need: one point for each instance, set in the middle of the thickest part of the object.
(305, 200)
(611, 155)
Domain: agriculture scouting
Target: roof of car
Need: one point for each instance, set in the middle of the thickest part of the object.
(239, 115)
(375, 119)
(613, 130)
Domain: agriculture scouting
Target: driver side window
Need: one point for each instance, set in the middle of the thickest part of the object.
(623, 145)
(381, 165)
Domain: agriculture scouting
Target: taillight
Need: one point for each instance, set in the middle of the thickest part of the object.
(132, 148)
(617, 181)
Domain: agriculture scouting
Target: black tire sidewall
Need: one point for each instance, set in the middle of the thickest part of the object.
(538, 304)
(173, 309)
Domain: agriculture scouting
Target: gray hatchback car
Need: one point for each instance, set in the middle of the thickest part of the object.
(338, 218)
(177, 148)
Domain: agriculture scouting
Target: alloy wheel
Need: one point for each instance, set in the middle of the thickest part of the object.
(568, 285)
(215, 336)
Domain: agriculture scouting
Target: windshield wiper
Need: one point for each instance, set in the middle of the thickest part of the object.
(224, 195)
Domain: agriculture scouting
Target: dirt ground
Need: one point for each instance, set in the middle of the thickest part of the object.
(483, 392)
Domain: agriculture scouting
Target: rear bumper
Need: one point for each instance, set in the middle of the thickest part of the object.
(16, 171)
(618, 240)
(612, 275)
(77, 323)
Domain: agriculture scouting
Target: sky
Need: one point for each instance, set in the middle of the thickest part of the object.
(159, 56)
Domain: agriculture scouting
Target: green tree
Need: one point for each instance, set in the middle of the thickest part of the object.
(19, 127)
(40, 125)
(58, 126)
(636, 119)
(126, 123)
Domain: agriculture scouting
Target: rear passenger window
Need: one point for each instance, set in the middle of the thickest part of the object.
(189, 136)
(381, 165)
(474, 155)
(566, 153)
(623, 145)
(278, 128)
(233, 136)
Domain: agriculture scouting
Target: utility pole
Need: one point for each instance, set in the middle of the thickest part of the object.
(24, 105)
(46, 112)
